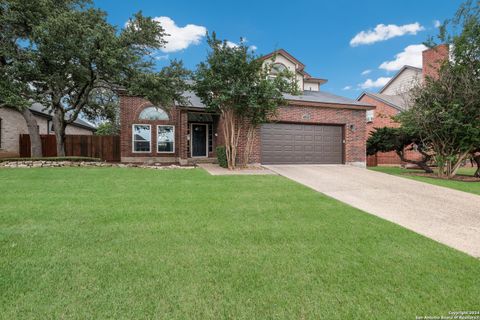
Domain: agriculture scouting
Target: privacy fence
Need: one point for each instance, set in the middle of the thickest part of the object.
(104, 147)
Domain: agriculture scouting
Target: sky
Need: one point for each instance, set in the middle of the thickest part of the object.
(356, 45)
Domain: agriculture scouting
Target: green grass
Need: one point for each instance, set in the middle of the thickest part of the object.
(98, 243)
(472, 187)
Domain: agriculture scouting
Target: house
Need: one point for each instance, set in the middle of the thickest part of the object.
(12, 125)
(393, 98)
(313, 127)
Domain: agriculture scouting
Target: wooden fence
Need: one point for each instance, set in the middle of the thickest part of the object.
(104, 147)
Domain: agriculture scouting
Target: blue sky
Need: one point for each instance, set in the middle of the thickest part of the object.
(318, 33)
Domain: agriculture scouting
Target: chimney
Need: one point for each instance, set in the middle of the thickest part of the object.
(433, 59)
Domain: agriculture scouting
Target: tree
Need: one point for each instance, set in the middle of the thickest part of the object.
(17, 18)
(397, 139)
(107, 129)
(73, 54)
(445, 110)
(476, 158)
(236, 84)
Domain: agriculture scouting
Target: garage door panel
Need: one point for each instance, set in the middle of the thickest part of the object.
(297, 143)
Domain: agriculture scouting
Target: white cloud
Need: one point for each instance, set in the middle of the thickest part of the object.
(369, 83)
(231, 44)
(347, 88)
(365, 72)
(411, 55)
(234, 45)
(161, 56)
(180, 38)
(437, 23)
(384, 32)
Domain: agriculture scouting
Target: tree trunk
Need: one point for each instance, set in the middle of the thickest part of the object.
(422, 164)
(476, 158)
(248, 144)
(231, 135)
(59, 128)
(454, 168)
(35, 140)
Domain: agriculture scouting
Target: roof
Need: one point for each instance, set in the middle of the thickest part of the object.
(40, 110)
(325, 97)
(284, 53)
(193, 99)
(317, 80)
(312, 97)
(398, 102)
(405, 67)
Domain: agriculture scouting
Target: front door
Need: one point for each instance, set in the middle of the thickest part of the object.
(199, 140)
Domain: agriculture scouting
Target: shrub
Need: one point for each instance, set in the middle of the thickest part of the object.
(222, 157)
(73, 159)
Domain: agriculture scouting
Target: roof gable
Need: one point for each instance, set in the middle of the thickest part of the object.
(398, 74)
(288, 56)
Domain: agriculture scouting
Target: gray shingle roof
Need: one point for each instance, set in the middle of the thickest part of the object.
(324, 97)
(40, 110)
(305, 96)
(398, 101)
(194, 100)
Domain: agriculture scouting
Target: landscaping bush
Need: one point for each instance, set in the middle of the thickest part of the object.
(222, 157)
(73, 159)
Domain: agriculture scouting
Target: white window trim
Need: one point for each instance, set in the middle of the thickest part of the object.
(167, 125)
(133, 138)
(370, 117)
(191, 140)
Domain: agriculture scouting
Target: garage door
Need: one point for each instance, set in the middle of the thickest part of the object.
(301, 143)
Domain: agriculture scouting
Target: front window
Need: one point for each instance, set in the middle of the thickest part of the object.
(165, 139)
(153, 113)
(141, 137)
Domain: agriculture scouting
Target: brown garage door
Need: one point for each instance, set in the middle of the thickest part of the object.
(284, 143)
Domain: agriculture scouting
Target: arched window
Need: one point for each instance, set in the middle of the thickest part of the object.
(153, 113)
(278, 67)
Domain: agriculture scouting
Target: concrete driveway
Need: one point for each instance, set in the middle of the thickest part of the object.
(448, 216)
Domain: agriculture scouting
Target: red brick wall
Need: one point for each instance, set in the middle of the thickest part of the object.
(383, 114)
(130, 108)
(432, 60)
(354, 140)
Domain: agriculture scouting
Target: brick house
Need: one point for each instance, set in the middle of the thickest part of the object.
(393, 98)
(314, 127)
(12, 125)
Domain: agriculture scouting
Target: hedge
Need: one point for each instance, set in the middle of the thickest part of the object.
(56, 159)
(222, 157)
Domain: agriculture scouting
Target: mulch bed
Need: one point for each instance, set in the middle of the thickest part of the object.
(458, 177)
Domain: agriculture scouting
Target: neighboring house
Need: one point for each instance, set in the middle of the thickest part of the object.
(313, 127)
(393, 98)
(12, 124)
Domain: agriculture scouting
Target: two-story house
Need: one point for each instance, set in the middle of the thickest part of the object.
(313, 127)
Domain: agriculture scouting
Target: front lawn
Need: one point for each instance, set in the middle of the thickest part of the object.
(472, 187)
(97, 243)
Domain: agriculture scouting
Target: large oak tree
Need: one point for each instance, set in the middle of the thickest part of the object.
(72, 58)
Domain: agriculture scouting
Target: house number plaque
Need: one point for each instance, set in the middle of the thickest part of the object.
(306, 116)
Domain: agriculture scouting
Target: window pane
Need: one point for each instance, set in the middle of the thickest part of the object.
(142, 146)
(153, 113)
(166, 138)
(141, 138)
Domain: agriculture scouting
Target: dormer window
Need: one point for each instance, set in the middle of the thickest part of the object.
(153, 113)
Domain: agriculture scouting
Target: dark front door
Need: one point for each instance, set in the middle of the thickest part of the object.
(199, 140)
